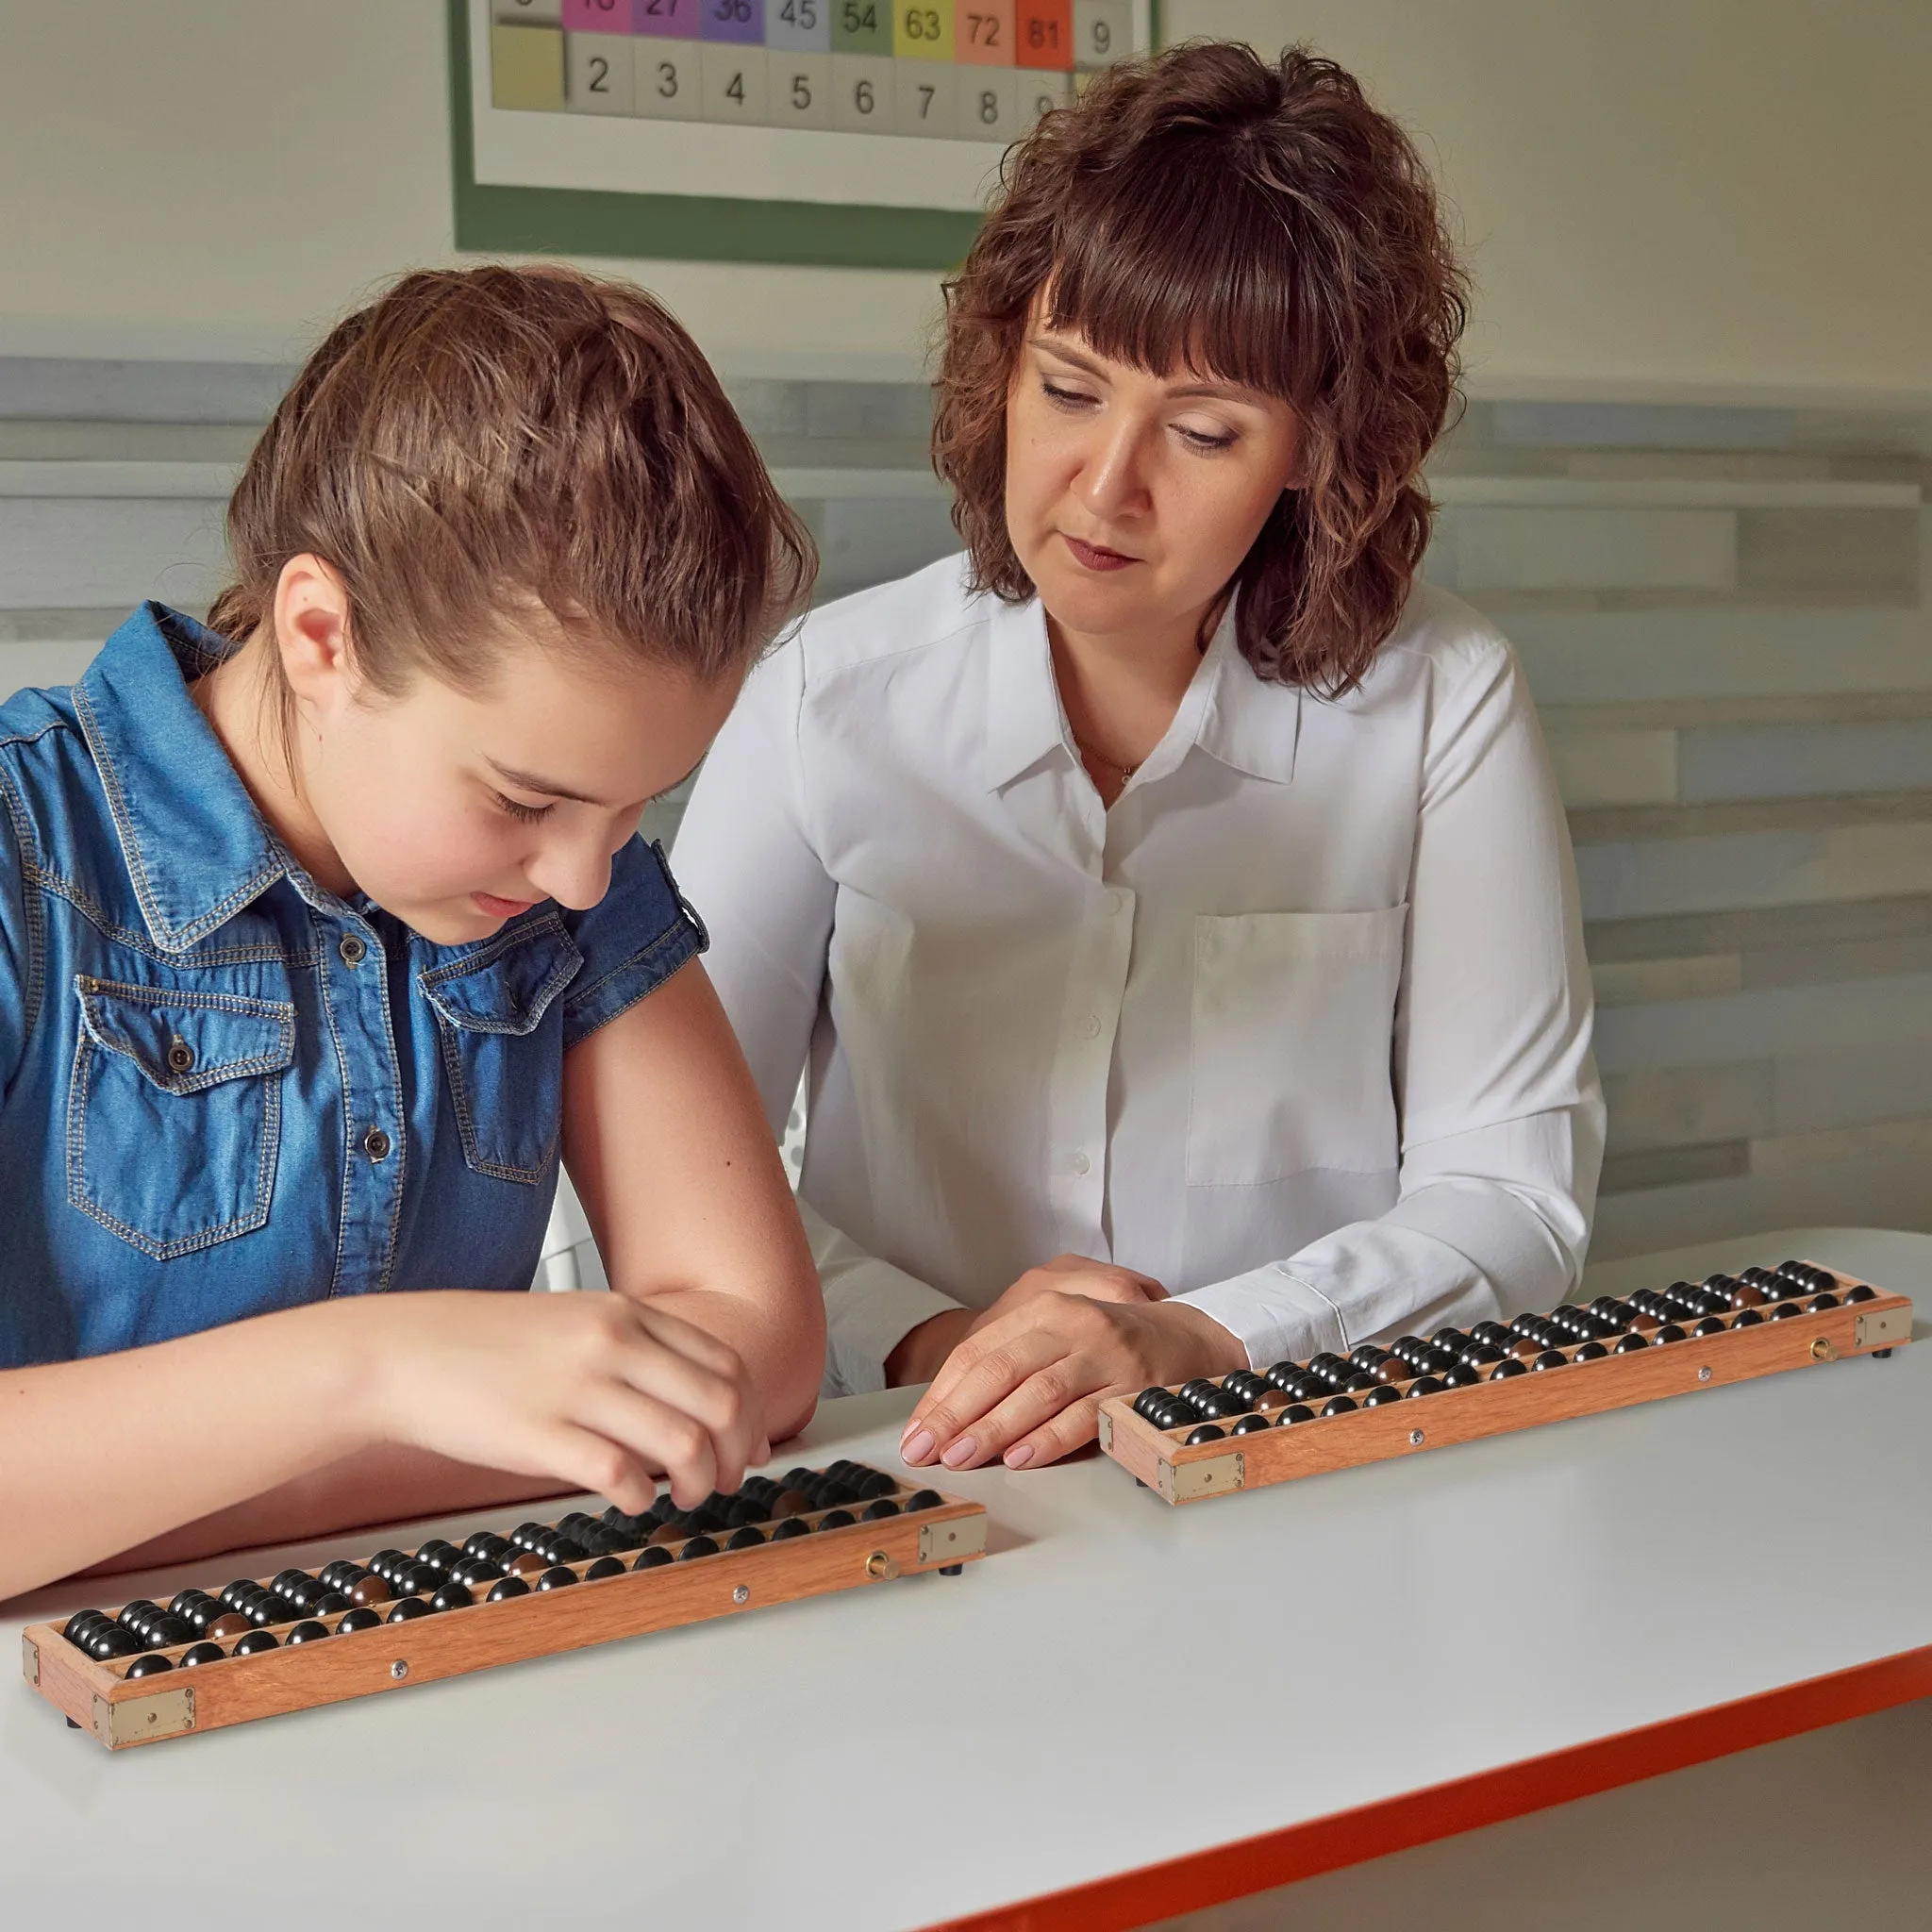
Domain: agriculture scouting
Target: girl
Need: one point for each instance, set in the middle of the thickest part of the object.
(1169, 897)
(323, 928)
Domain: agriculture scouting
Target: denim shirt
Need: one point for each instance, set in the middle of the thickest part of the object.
(228, 1090)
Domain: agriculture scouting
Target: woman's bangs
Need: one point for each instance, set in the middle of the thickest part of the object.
(1156, 273)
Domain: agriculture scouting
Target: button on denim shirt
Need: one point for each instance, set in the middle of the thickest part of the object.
(228, 1090)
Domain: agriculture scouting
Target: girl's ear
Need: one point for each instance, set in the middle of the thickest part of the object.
(311, 631)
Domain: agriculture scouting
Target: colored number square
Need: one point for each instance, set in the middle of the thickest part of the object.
(596, 16)
(861, 26)
(528, 12)
(670, 79)
(596, 73)
(924, 99)
(923, 29)
(1102, 32)
(668, 20)
(1040, 92)
(525, 67)
(862, 93)
(989, 104)
(734, 85)
(803, 26)
(799, 89)
(741, 21)
(1046, 31)
(983, 31)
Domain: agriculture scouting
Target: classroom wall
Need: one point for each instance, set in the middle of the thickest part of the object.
(1690, 195)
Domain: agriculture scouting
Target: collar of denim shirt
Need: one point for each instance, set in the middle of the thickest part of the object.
(193, 843)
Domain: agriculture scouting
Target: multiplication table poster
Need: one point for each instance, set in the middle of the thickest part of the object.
(865, 132)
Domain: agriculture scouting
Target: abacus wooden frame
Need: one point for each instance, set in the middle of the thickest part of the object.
(121, 1711)
(1180, 1475)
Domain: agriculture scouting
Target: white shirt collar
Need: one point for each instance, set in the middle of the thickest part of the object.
(1229, 712)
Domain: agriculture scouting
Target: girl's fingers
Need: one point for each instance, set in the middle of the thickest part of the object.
(694, 1343)
(722, 1405)
(638, 1425)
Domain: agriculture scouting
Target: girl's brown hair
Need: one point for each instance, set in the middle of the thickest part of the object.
(1262, 223)
(476, 442)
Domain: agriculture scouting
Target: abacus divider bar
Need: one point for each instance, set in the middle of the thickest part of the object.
(1492, 1409)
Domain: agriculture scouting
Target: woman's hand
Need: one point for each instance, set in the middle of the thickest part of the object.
(1027, 1383)
(595, 1389)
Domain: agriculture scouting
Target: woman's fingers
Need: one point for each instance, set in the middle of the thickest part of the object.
(979, 1374)
(1073, 1429)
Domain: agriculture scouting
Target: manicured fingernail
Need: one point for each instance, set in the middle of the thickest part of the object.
(918, 1447)
(1020, 1455)
(960, 1453)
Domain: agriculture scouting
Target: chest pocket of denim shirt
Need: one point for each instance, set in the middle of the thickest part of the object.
(502, 1032)
(174, 1112)
(1294, 1023)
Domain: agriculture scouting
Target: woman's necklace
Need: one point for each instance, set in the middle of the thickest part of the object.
(1122, 771)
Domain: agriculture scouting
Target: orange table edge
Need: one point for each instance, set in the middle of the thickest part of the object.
(1214, 1876)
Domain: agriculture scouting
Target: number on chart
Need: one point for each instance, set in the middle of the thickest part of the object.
(922, 24)
(989, 107)
(860, 19)
(1044, 33)
(925, 95)
(862, 97)
(801, 91)
(656, 9)
(983, 29)
(600, 74)
(667, 80)
(804, 13)
(739, 10)
(734, 89)
(1102, 37)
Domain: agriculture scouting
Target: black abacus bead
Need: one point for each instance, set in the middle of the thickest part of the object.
(184, 1602)
(1422, 1385)
(1358, 1384)
(364, 1617)
(1590, 1352)
(1526, 1324)
(558, 1577)
(1205, 1433)
(789, 1526)
(1381, 1393)
(1551, 1358)
(1491, 1332)
(149, 1666)
(1281, 1373)
(1177, 1417)
(255, 1644)
(235, 1594)
(452, 1596)
(1669, 1332)
(502, 1591)
(524, 1535)
(439, 1554)
(266, 1610)
(1454, 1340)
(1710, 1325)
(307, 1631)
(199, 1654)
(407, 1609)
(603, 1567)
(1817, 1304)
(386, 1563)
(1340, 1405)
(287, 1582)
(1456, 1376)
(1366, 1356)
(567, 1549)
(1861, 1293)
(1249, 1424)
(331, 1603)
(1221, 1408)
(476, 1573)
(1306, 1388)
(1149, 1400)
(485, 1546)
(77, 1623)
(1630, 1343)
(703, 1545)
(420, 1580)
(164, 1632)
(879, 1508)
(136, 1613)
(341, 1575)
(1295, 1412)
(1746, 1318)
(1504, 1370)
(1479, 1355)
(747, 1538)
(1785, 1311)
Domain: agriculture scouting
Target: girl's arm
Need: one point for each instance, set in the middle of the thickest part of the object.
(668, 1146)
(586, 1392)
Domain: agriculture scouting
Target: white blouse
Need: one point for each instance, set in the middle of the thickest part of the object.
(1300, 1027)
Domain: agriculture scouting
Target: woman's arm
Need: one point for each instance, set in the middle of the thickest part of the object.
(103, 1456)
(669, 1149)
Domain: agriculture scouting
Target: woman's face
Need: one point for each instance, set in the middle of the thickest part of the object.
(1132, 498)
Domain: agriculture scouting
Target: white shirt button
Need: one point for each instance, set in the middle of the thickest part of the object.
(1081, 1164)
(1091, 1026)
(1115, 901)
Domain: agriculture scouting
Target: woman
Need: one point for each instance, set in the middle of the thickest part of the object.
(1170, 896)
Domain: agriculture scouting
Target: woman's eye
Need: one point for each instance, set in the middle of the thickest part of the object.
(1063, 398)
(529, 814)
(1206, 438)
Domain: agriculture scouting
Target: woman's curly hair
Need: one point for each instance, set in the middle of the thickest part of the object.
(1259, 222)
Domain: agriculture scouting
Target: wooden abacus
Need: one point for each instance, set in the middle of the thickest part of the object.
(405, 1619)
(1303, 1418)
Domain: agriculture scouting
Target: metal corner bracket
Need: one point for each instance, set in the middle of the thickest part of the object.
(136, 1720)
(1213, 1476)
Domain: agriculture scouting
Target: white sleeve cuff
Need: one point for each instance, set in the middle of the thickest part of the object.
(1274, 1314)
(871, 1307)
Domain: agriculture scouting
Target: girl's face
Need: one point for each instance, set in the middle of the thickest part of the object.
(456, 811)
(1131, 499)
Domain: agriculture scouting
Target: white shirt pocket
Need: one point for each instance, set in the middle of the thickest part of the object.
(1292, 1026)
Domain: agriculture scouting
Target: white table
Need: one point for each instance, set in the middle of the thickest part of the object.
(1236, 1693)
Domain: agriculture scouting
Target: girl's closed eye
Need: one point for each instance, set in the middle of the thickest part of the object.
(529, 814)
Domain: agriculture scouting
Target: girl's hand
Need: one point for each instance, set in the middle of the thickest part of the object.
(595, 1389)
(1026, 1384)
